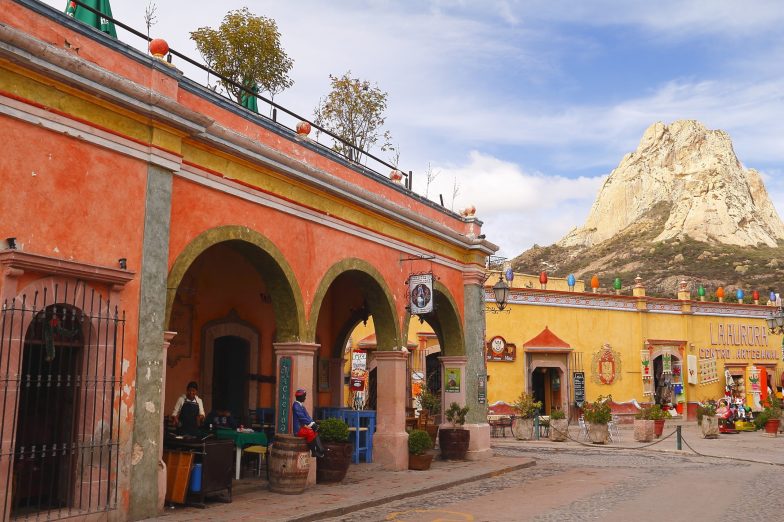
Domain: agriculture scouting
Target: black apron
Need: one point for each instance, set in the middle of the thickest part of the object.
(189, 415)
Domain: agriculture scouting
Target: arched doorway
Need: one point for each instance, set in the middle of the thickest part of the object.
(546, 387)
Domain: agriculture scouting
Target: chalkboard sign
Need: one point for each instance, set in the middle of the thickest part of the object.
(579, 388)
(284, 395)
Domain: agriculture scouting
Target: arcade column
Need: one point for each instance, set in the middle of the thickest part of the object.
(390, 443)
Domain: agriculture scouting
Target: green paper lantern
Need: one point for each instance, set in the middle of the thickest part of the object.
(701, 291)
(617, 283)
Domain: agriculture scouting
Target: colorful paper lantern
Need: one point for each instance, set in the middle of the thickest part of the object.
(701, 291)
(617, 283)
(739, 294)
(595, 282)
(509, 274)
(543, 277)
(570, 280)
(720, 292)
(755, 295)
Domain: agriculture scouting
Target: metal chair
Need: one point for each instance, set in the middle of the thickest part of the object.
(261, 451)
(615, 433)
(583, 428)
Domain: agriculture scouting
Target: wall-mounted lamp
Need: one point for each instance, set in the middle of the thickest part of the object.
(123, 263)
(11, 242)
(776, 322)
(501, 293)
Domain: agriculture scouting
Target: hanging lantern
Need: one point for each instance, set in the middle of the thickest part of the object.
(595, 283)
(543, 279)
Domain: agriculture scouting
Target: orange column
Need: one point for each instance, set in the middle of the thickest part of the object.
(390, 444)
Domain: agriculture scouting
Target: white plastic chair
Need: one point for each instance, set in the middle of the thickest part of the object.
(583, 428)
(615, 433)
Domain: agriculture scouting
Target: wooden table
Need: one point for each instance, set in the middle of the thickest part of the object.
(241, 439)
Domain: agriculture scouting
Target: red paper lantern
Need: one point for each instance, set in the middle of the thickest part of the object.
(303, 128)
(543, 277)
(159, 48)
(755, 295)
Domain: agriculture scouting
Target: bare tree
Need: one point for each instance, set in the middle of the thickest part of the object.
(455, 192)
(150, 17)
(430, 177)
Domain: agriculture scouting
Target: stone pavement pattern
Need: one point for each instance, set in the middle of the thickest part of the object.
(571, 481)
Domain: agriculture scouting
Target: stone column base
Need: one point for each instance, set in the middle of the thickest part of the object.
(391, 450)
(479, 443)
(312, 471)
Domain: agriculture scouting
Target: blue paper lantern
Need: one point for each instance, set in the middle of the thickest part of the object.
(570, 280)
(509, 275)
(773, 296)
(739, 293)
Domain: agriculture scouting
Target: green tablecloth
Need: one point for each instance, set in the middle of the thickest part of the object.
(243, 439)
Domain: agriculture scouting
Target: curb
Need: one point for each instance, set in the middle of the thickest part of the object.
(336, 512)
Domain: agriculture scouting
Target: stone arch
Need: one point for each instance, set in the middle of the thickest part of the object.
(266, 258)
(379, 297)
(445, 322)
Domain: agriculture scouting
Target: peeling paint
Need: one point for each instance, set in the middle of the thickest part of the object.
(149, 406)
(149, 373)
(138, 454)
(125, 365)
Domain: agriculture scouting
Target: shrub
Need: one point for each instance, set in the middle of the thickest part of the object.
(429, 402)
(644, 413)
(333, 430)
(419, 442)
(598, 411)
(709, 409)
(771, 411)
(456, 415)
(657, 413)
(526, 406)
(557, 414)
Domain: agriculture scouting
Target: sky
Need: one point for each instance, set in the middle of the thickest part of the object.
(522, 108)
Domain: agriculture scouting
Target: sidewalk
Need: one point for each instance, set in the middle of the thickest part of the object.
(366, 485)
(747, 446)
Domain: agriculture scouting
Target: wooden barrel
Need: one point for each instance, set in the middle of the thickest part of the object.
(289, 463)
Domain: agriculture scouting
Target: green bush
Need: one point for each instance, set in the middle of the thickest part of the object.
(709, 409)
(771, 411)
(598, 411)
(419, 442)
(526, 406)
(557, 414)
(657, 413)
(456, 415)
(430, 401)
(644, 413)
(333, 430)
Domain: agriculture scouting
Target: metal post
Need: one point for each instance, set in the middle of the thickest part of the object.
(678, 438)
(536, 425)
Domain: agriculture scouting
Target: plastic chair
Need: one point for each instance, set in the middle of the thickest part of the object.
(261, 451)
(583, 428)
(615, 433)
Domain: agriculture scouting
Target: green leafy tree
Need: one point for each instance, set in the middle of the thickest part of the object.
(354, 111)
(246, 49)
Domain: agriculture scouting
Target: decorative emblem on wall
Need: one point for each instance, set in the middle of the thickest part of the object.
(606, 365)
(498, 350)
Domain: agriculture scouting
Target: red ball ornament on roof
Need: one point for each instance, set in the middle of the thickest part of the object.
(159, 48)
(755, 295)
(303, 128)
(543, 277)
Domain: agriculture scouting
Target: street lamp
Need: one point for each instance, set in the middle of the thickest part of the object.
(501, 293)
(776, 322)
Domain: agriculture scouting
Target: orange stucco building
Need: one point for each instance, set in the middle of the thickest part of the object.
(155, 233)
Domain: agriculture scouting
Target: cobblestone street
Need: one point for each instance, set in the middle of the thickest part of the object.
(579, 484)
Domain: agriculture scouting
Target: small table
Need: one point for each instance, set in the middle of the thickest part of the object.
(240, 441)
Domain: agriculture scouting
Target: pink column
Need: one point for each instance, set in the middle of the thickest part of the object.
(390, 443)
(303, 375)
(453, 362)
(167, 339)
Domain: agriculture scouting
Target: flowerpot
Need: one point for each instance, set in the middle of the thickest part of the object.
(432, 430)
(598, 433)
(658, 427)
(559, 430)
(679, 408)
(523, 429)
(453, 443)
(420, 462)
(643, 430)
(772, 427)
(333, 466)
(710, 426)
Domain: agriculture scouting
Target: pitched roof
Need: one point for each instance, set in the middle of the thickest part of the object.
(547, 339)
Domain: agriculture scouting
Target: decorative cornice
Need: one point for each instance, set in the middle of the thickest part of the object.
(25, 261)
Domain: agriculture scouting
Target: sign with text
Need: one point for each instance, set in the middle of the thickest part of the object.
(579, 388)
(481, 389)
(284, 395)
(498, 350)
(452, 380)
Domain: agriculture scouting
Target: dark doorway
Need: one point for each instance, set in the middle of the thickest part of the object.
(46, 425)
(230, 375)
(538, 379)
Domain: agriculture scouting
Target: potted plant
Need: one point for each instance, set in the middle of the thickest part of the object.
(527, 408)
(770, 417)
(418, 443)
(333, 466)
(643, 425)
(598, 415)
(559, 426)
(658, 415)
(430, 407)
(708, 420)
(454, 441)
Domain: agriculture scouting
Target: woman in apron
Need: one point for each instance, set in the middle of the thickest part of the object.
(188, 412)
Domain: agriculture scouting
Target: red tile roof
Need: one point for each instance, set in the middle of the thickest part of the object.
(546, 339)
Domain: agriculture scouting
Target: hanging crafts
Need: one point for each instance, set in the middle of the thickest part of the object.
(666, 363)
(645, 361)
(52, 328)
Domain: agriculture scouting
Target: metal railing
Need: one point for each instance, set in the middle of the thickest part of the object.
(359, 153)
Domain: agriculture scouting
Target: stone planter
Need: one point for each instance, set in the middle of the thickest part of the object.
(643, 430)
(523, 429)
(420, 462)
(559, 430)
(710, 427)
(598, 433)
(333, 466)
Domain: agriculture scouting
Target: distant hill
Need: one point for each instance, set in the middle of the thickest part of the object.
(680, 207)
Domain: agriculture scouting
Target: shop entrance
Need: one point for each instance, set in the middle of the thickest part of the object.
(546, 387)
(229, 374)
(667, 382)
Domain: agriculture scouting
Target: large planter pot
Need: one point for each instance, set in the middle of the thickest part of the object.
(420, 462)
(333, 466)
(772, 427)
(453, 443)
(432, 430)
(598, 433)
(710, 427)
(658, 427)
(523, 429)
(559, 430)
(643, 430)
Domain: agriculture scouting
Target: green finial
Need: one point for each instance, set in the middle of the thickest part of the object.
(617, 283)
(701, 291)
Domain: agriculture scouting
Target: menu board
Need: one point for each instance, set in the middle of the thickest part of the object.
(579, 388)
(284, 395)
